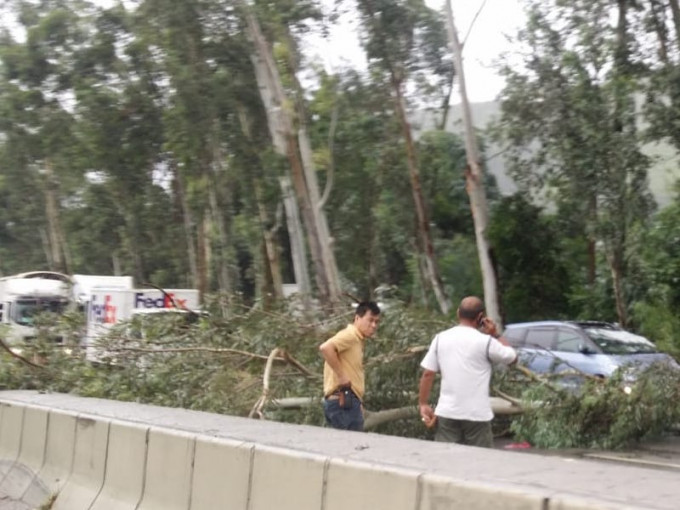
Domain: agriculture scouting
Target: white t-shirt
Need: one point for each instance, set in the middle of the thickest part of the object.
(460, 355)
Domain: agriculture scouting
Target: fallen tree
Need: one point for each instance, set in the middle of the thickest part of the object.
(244, 365)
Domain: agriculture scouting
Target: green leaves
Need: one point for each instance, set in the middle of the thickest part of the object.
(601, 414)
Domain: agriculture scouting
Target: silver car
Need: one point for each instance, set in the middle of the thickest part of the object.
(595, 348)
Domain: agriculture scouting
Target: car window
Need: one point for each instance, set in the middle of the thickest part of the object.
(620, 342)
(515, 336)
(540, 338)
(568, 340)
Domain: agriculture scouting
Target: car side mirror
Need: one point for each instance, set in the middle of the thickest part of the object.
(584, 349)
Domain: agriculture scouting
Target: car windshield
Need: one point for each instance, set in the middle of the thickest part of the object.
(620, 342)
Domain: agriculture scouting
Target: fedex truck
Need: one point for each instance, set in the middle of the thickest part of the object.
(108, 307)
(84, 285)
(25, 295)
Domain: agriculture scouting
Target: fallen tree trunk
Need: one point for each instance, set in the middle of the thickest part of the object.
(500, 407)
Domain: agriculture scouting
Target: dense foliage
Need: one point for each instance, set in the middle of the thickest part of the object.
(217, 364)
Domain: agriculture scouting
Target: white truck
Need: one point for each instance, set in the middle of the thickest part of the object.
(25, 295)
(108, 307)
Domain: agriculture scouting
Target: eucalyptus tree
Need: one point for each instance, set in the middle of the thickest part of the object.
(569, 119)
(39, 145)
(289, 138)
(119, 110)
(474, 177)
(359, 151)
(405, 43)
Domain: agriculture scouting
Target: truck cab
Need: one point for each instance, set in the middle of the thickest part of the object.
(24, 296)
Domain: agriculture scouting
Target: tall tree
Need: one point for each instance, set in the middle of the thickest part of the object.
(404, 38)
(474, 178)
(39, 127)
(294, 144)
(568, 114)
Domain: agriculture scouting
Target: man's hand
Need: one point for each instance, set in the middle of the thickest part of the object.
(489, 327)
(427, 416)
(330, 355)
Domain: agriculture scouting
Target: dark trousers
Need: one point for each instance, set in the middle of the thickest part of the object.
(349, 417)
(473, 433)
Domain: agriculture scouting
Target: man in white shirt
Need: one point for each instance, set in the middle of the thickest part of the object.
(464, 356)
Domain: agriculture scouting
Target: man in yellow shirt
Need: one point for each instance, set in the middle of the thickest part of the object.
(343, 369)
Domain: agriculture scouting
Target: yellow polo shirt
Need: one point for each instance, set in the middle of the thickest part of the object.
(350, 346)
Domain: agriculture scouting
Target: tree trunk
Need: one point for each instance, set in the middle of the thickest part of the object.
(423, 225)
(320, 221)
(592, 241)
(271, 251)
(55, 235)
(280, 123)
(659, 22)
(202, 251)
(222, 257)
(474, 178)
(297, 243)
(675, 10)
(188, 222)
(421, 211)
(615, 248)
(616, 266)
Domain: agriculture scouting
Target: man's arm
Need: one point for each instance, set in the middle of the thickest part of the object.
(489, 327)
(424, 389)
(330, 355)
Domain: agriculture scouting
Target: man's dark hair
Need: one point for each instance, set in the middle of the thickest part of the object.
(470, 308)
(367, 306)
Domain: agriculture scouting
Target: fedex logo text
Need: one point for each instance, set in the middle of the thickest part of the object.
(166, 301)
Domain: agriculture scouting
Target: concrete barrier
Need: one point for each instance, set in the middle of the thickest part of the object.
(59, 448)
(11, 422)
(159, 458)
(442, 492)
(221, 479)
(362, 486)
(89, 463)
(169, 467)
(286, 480)
(125, 467)
(20, 482)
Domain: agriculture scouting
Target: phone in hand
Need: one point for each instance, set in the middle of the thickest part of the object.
(480, 321)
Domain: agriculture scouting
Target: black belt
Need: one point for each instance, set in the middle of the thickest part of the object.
(336, 394)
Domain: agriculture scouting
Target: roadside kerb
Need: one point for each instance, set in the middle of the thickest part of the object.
(89, 464)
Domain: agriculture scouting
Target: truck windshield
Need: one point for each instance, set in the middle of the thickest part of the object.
(25, 310)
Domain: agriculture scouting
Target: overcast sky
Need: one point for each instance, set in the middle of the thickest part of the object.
(485, 42)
